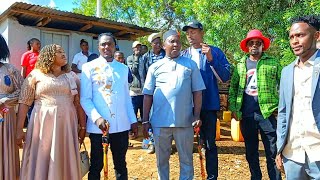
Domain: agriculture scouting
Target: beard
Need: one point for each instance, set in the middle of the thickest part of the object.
(255, 52)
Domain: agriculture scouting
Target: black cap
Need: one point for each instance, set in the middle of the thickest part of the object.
(193, 24)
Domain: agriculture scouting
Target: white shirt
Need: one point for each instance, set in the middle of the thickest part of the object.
(105, 93)
(79, 59)
(304, 136)
(196, 53)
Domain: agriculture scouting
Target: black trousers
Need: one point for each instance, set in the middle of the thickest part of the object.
(250, 128)
(118, 145)
(208, 136)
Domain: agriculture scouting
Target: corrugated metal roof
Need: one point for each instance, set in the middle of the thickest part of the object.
(35, 15)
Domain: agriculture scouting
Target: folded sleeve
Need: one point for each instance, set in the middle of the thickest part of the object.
(28, 88)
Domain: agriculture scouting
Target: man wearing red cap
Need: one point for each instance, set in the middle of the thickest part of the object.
(253, 98)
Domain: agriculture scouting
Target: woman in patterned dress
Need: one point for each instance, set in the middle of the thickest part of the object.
(51, 149)
(10, 84)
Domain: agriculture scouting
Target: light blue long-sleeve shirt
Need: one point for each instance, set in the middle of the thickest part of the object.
(105, 93)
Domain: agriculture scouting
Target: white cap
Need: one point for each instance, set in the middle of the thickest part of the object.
(154, 36)
(134, 44)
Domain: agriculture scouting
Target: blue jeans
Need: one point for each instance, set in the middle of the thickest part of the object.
(208, 136)
(301, 171)
(250, 127)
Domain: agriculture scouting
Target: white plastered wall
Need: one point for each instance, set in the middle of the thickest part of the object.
(18, 35)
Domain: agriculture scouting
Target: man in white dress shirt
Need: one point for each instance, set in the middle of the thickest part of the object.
(107, 103)
(298, 128)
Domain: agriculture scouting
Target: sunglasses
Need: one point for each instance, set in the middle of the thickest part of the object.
(257, 43)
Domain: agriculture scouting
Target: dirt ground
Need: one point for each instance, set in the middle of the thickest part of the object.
(232, 162)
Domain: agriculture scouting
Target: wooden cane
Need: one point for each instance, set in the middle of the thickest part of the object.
(105, 144)
(203, 173)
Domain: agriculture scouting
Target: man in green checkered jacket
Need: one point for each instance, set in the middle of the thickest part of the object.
(253, 98)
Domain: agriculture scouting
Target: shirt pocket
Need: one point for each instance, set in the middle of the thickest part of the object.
(270, 71)
(187, 74)
(98, 79)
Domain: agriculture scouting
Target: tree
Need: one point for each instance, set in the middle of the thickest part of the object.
(226, 22)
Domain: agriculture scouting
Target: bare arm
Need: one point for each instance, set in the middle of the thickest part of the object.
(197, 101)
(147, 103)
(22, 114)
(75, 68)
(23, 71)
(80, 112)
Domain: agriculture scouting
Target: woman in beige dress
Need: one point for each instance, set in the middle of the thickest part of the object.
(10, 84)
(51, 149)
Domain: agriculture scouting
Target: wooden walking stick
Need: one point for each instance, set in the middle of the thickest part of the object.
(203, 173)
(105, 144)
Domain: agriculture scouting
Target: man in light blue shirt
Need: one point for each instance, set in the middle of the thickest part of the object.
(173, 87)
(107, 103)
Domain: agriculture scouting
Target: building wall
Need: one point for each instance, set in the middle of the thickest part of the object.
(4, 29)
(75, 45)
(17, 36)
(125, 47)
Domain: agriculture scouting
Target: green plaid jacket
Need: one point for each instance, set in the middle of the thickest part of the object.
(268, 77)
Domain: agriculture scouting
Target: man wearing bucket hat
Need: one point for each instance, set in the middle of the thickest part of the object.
(253, 98)
(136, 65)
(156, 52)
(213, 65)
(172, 86)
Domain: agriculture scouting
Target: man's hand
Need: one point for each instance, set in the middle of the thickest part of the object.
(134, 129)
(196, 122)
(279, 163)
(103, 124)
(234, 115)
(205, 49)
(275, 113)
(145, 128)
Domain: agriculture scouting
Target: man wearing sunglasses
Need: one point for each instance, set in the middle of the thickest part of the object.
(253, 98)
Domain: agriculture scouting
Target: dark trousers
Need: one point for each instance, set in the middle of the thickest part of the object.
(208, 136)
(118, 145)
(250, 127)
(137, 103)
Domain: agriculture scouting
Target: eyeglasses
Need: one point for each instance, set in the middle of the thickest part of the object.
(257, 43)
